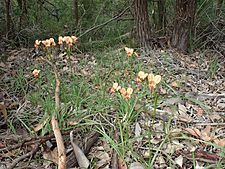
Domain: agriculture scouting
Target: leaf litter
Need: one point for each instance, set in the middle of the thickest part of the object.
(193, 104)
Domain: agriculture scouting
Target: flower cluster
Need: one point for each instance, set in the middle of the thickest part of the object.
(69, 40)
(153, 80)
(126, 93)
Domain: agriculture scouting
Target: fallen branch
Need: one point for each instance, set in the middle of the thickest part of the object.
(18, 159)
(34, 140)
(54, 122)
(55, 125)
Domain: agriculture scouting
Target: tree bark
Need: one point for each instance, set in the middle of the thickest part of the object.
(161, 16)
(219, 7)
(23, 10)
(8, 16)
(184, 19)
(142, 23)
(75, 11)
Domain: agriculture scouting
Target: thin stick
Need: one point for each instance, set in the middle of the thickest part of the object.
(34, 140)
(55, 125)
(54, 122)
(17, 160)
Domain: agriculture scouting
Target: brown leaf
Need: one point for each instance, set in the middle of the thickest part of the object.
(137, 131)
(136, 165)
(206, 134)
(51, 155)
(179, 160)
(3, 112)
(220, 142)
(195, 132)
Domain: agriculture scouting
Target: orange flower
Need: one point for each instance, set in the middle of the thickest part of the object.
(75, 39)
(141, 76)
(68, 40)
(52, 42)
(37, 43)
(36, 73)
(46, 43)
(115, 88)
(60, 40)
(129, 51)
(126, 93)
(153, 80)
(123, 91)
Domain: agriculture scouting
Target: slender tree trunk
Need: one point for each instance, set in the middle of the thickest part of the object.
(142, 23)
(8, 16)
(219, 7)
(23, 10)
(184, 19)
(75, 11)
(161, 16)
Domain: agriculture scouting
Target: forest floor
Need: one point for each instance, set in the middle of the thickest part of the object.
(179, 124)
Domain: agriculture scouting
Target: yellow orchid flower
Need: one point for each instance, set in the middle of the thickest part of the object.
(37, 43)
(68, 40)
(75, 39)
(126, 93)
(129, 51)
(141, 76)
(115, 88)
(153, 80)
(36, 73)
(60, 40)
(46, 43)
(52, 42)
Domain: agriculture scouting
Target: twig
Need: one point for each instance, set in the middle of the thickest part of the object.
(209, 124)
(29, 141)
(114, 161)
(17, 160)
(105, 23)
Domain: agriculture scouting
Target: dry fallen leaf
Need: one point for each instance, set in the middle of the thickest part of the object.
(206, 134)
(175, 84)
(137, 132)
(3, 112)
(195, 132)
(79, 154)
(220, 142)
(179, 161)
(136, 165)
(51, 155)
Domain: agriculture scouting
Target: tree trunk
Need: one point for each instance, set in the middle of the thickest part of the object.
(219, 7)
(8, 16)
(184, 19)
(161, 16)
(23, 10)
(75, 11)
(142, 23)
